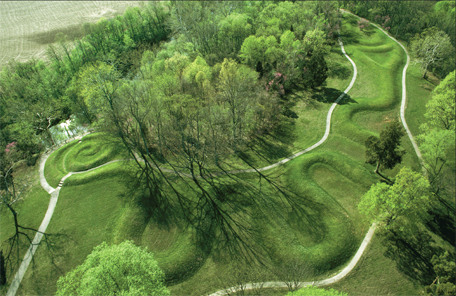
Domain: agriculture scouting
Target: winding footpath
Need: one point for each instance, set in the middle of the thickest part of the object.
(54, 194)
(370, 233)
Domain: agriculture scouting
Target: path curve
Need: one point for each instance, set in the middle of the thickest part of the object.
(370, 233)
(328, 124)
(54, 192)
(328, 281)
(404, 89)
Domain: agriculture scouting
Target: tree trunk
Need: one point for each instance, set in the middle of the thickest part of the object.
(50, 136)
(377, 171)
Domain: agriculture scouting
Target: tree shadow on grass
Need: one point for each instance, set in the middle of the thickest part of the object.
(412, 254)
(340, 71)
(329, 95)
(156, 206)
(443, 225)
(350, 37)
(54, 255)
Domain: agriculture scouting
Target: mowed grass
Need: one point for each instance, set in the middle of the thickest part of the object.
(321, 228)
(91, 151)
(308, 111)
(376, 274)
(89, 211)
(99, 206)
(31, 209)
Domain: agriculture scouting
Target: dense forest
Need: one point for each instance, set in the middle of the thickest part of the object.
(199, 50)
(187, 88)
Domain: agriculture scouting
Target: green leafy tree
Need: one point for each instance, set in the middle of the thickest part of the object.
(440, 110)
(315, 69)
(384, 151)
(437, 138)
(430, 48)
(235, 90)
(445, 270)
(408, 196)
(436, 147)
(123, 269)
(256, 52)
(233, 30)
(314, 291)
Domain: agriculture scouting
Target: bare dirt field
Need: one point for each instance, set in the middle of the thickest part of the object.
(28, 27)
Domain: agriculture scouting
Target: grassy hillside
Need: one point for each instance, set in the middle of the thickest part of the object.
(319, 230)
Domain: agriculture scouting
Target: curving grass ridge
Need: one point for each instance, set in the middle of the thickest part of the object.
(89, 152)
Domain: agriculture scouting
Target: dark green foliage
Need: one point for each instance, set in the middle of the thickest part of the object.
(406, 19)
(384, 151)
(34, 96)
(2, 269)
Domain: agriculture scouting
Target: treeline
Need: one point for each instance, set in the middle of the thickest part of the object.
(197, 101)
(415, 211)
(414, 20)
(284, 42)
(33, 94)
(185, 86)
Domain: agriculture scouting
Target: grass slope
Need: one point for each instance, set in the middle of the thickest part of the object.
(30, 209)
(322, 228)
(93, 150)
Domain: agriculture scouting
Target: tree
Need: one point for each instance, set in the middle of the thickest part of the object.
(408, 196)
(256, 52)
(437, 138)
(314, 291)
(315, 70)
(440, 110)
(384, 151)
(445, 270)
(435, 147)
(10, 194)
(236, 92)
(292, 272)
(430, 48)
(233, 30)
(123, 269)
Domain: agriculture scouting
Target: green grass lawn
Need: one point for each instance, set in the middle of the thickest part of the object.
(91, 151)
(376, 274)
(319, 227)
(31, 209)
(89, 212)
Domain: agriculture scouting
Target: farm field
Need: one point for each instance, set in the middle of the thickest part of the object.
(28, 27)
(330, 178)
(233, 151)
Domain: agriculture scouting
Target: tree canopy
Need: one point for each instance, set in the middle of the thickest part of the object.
(409, 195)
(431, 48)
(384, 150)
(123, 269)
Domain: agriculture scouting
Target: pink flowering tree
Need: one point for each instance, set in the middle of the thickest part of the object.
(363, 24)
(384, 21)
(277, 83)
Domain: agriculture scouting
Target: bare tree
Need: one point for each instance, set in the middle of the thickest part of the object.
(10, 194)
